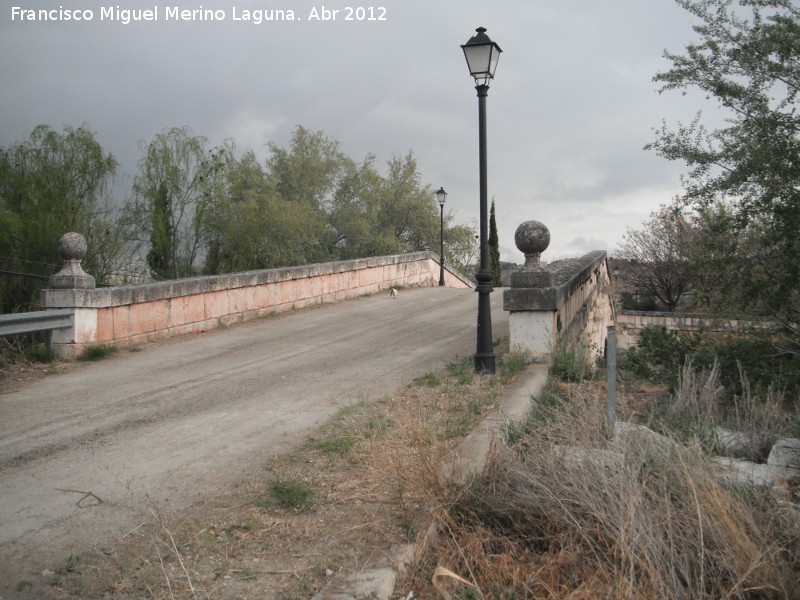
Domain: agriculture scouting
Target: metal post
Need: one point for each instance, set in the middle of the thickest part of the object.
(611, 376)
(441, 247)
(484, 356)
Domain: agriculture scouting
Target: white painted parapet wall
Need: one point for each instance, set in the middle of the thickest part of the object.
(128, 315)
(568, 298)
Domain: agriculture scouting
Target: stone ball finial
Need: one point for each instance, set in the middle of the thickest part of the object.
(72, 248)
(532, 238)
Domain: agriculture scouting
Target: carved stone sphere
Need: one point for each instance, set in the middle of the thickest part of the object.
(72, 246)
(532, 237)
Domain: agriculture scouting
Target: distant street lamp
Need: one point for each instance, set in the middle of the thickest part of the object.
(482, 55)
(441, 196)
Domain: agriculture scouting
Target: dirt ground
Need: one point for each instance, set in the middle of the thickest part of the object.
(173, 456)
(372, 476)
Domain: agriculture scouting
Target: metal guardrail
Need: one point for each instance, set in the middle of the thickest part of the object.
(40, 320)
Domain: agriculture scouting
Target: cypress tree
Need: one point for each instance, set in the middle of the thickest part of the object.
(494, 249)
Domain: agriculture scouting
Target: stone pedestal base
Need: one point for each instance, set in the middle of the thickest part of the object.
(533, 332)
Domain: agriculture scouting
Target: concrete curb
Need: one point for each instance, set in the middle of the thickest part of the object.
(467, 461)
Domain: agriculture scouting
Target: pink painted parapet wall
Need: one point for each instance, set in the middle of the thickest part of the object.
(127, 315)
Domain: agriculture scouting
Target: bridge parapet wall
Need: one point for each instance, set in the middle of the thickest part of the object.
(127, 315)
(568, 298)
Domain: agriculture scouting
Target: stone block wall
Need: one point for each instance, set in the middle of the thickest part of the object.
(630, 325)
(127, 315)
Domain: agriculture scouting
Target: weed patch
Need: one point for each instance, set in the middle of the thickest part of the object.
(463, 371)
(292, 493)
(40, 353)
(511, 365)
(429, 380)
(570, 363)
(96, 352)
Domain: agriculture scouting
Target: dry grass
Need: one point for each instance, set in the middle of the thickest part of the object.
(569, 513)
(698, 408)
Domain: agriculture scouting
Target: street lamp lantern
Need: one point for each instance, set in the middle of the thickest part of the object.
(441, 196)
(482, 55)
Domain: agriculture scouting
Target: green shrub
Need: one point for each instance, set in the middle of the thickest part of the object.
(767, 362)
(660, 355)
(570, 363)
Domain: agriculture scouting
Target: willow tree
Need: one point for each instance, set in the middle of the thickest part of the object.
(178, 180)
(52, 183)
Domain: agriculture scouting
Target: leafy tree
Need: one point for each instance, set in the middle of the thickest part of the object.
(408, 217)
(178, 181)
(309, 170)
(461, 247)
(353, 215)
(251, 227)
(494, 249)
(710, 245)
(307, 173)
(375, 215)
(654, 258)
(162, 234)
(748, 60)
(310, 202)
(50, 184)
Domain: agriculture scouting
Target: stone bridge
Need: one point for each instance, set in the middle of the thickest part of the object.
(129, 315)
(567, 299)
(180, 420)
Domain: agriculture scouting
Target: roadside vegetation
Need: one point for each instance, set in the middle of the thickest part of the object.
(566, 509)
(24, 355)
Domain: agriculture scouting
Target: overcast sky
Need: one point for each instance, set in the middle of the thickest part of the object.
(570, 108)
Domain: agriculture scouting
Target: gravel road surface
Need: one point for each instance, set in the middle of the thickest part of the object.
(89, 454)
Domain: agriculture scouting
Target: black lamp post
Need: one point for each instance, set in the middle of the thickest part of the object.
(441, 196)
(482, 55)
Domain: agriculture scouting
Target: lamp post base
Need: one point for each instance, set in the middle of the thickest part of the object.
(485, 363)
(484, 353)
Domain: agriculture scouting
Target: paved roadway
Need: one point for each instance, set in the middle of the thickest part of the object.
(184, 418)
